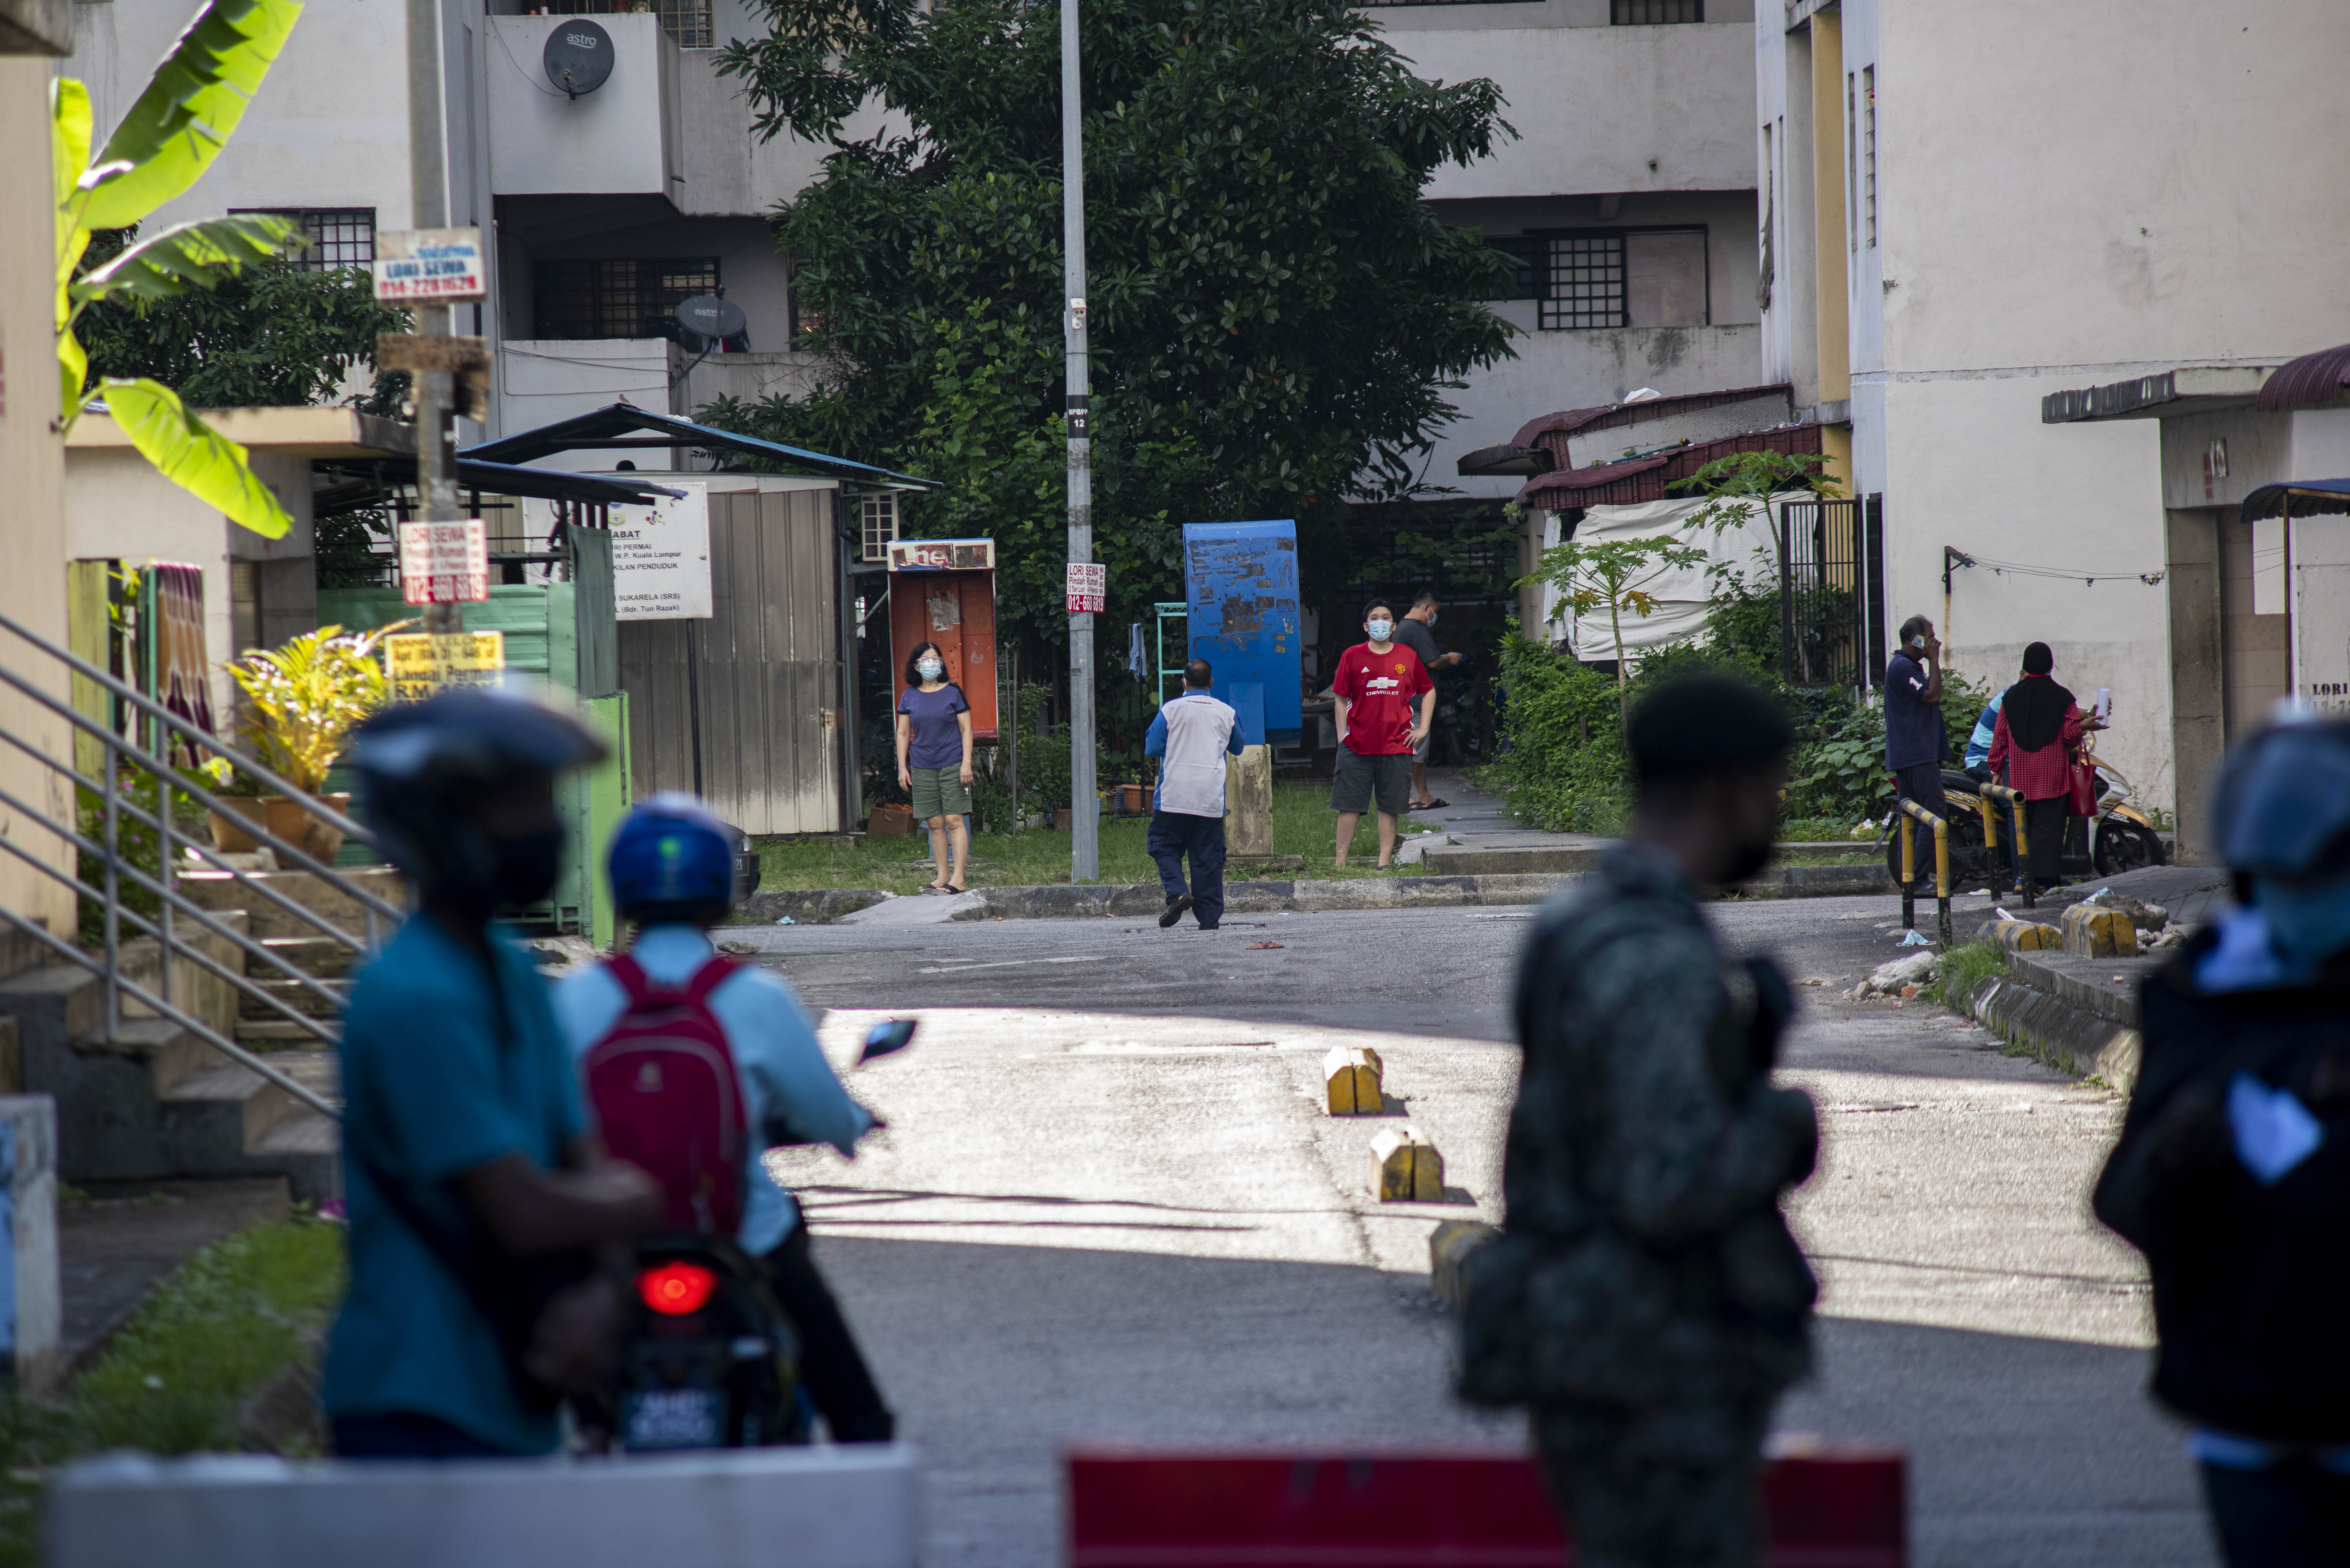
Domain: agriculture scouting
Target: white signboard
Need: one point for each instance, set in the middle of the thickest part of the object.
(414, 266)
(1088, 588)
(2320, 574)
(444, 563)
(660, 555)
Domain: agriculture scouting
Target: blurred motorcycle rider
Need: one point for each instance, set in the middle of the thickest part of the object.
(672, 871)
(2233, 1172)
(476, 1202)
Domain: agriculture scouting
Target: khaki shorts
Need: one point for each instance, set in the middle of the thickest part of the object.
(939, 791)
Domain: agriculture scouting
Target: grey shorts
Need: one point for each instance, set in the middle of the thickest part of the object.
(939, 791)
(1386, 777)
(1419, 751)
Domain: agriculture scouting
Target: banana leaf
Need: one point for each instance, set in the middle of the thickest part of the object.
(196, 255)
(192, 455)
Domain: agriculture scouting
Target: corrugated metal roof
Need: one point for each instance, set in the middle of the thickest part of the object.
(1568, 421)
(2309, 495)
(2318, 378)
(626, 425)
(1650, 478)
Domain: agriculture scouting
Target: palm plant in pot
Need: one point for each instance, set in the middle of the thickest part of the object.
(301, 700)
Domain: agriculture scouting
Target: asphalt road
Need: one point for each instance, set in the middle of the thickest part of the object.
(1107, 1207)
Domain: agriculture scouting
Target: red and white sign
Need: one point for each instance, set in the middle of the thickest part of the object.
(444, 563)
(421, 266)
(942, 555)
(1088, 589)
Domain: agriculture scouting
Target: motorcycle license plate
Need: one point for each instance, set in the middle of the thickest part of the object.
(674, 1418)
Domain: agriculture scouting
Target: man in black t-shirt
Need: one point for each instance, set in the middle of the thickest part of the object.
(1412, 633)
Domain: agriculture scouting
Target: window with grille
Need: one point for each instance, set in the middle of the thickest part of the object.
(688, 22)
(618, 297)
(338, 236)
(879, 515)
(1528, 256)
(1650, 13)
(1584, 285)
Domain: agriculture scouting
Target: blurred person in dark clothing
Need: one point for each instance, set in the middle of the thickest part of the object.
(1645, 1298)
(2233, 1172)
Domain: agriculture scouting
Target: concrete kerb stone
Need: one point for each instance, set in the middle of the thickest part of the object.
(2079, 1015)
(807, 906)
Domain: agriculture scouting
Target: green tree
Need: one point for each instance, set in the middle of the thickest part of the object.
(1274, 316)
(171, 134)
(1615, 574)
(277, 333)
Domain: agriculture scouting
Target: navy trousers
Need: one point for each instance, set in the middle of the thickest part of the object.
(1173, 835)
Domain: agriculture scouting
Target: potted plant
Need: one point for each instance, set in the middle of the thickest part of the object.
(302, 700)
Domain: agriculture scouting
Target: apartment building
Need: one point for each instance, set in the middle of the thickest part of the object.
(1627, 202)
(1969, 211)
(603, 208)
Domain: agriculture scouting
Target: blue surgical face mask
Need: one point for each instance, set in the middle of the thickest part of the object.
(931, 669)
(1378, 630)
(2308, 921)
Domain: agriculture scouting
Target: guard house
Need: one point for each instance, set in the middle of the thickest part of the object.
(751, 703)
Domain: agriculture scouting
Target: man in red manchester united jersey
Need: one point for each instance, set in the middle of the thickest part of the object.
(1377, 686)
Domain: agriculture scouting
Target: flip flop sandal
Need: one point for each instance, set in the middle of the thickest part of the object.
(1433, 805)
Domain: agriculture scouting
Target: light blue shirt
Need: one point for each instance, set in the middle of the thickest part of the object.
(785, 1076)
(443, 1071)
(1206, 731)
(1986, 731)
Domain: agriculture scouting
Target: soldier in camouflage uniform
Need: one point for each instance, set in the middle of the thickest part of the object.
(1645, 1298)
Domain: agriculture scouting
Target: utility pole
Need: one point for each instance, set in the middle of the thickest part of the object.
(1085, 825)
(436, 467)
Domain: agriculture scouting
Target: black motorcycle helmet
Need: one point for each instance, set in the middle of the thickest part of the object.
(426, 772)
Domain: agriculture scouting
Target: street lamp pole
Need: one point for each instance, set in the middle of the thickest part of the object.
(1085, 825)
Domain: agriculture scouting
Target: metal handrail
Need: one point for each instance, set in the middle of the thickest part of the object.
(2023, 840)
(163, 1009)
(209, 741)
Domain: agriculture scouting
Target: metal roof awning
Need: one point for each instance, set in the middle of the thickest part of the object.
(1569, 421)
(1503, 460)
(1652, 477)
(350, 486)
(2314, 379)
(621, 426)
(2302, 497)
(2189, 389)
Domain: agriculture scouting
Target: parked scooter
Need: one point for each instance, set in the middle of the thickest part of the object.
(2120, 837)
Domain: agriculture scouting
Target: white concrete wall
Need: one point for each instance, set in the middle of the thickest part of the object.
(545, 380)
(1596, 108)
(328, 128)
(619, 140)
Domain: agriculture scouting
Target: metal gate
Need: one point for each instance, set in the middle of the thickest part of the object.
(744, 707)
(1831, 593)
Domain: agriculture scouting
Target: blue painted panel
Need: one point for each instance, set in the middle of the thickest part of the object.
(1240, 580)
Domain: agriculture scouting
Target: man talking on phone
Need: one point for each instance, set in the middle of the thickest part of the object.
(1915, 739)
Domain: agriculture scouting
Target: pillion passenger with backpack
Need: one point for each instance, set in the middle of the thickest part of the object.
(693, 1066)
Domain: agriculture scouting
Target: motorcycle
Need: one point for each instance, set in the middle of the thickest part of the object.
(2120, 837)
(709, 1359)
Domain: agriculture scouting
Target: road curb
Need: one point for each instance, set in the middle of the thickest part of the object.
(2076, 1015)
(806, 906)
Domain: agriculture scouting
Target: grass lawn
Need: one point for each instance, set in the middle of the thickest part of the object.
(1303, 823)
(176, 1377)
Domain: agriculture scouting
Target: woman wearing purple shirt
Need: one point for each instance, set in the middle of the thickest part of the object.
(934, 759)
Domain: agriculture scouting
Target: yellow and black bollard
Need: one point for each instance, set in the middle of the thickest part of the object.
(2014, 802)
(1912, 813)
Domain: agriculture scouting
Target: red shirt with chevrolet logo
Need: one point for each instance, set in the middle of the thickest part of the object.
(1381, 691)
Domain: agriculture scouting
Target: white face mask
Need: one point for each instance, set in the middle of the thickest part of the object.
(1431, 617)
(932, 668)
(1378, 630)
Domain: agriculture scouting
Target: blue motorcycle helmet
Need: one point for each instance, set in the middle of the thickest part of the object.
(2281, 818)
(672, 859)
(428, 770)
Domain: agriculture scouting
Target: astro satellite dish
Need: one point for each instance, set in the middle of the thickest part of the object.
(708, 317)
(578, 55)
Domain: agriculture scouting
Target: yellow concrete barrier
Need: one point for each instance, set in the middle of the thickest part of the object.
(1448, 1246)
(2092, 932)
(1406, 1168)
(1351, 1077)
(2027, 936)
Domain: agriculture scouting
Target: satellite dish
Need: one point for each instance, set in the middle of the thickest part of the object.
(578, 55)
(710, 317)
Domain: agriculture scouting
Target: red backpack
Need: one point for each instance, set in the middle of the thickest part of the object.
(662, 1086)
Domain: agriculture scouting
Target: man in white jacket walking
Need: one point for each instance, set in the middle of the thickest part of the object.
(1191, 735)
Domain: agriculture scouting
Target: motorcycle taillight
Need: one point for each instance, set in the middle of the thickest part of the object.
(674, 1289)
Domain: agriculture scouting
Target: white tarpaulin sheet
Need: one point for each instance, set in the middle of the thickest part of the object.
(1680, 592)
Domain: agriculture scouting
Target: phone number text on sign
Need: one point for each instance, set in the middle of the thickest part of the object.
(1088, 588)
(444, 563)
(428, 263)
